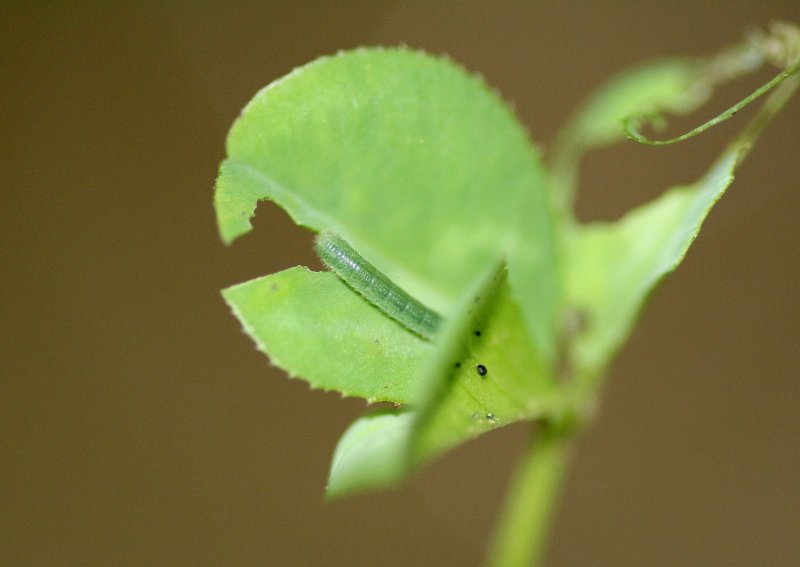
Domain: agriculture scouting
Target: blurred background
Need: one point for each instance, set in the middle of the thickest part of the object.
(139, 425)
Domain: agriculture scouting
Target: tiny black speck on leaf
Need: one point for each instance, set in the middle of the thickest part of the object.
(477, 333)
(481, 369)
(457, 365)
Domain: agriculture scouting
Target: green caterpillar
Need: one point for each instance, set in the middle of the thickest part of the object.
(375, 287)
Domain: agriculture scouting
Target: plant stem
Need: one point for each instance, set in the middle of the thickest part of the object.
(521, 536)
(632, 124)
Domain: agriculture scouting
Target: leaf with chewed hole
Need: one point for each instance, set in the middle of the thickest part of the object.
(413, 161)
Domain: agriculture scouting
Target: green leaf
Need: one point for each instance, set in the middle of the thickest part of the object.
(371, 454)
(612, 267)
(670, 86)
(313, 326)
(456, 402)
(413, 161)
(653, 87)
(513, 383)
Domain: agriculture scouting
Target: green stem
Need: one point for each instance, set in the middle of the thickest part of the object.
(632, 124)
(770, 109)
(521, 537)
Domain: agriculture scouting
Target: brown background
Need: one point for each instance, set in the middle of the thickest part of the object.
(140, 426)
